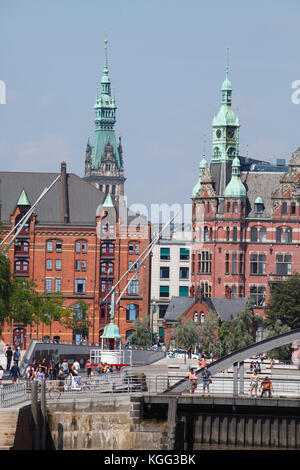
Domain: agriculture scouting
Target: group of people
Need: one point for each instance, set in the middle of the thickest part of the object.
(102, 368)
(53, 371)
(206, 379)
(266, 385)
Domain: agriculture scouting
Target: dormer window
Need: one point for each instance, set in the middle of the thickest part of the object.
(259, 205)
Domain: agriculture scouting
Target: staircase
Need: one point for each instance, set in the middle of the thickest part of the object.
(8, 424)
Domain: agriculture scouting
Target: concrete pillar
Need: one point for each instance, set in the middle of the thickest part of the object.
(44, 415)
(235, 380)
(172, 420)
(242, 381)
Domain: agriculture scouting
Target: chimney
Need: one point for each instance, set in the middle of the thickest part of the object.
(64, 186)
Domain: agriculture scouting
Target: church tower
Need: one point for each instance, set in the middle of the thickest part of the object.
(104, 157)
(225, 139)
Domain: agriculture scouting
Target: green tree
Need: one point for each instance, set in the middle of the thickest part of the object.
(209, 331)
(284, 303)
(186, 334)
(282, 353)
(240, 331)
(6, 286)
(141, 336)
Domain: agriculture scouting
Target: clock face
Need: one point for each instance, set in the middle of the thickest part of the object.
(230, 133)
(218, 133)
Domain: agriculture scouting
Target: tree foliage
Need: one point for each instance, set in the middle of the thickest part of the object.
(208, 331)
(284, 303)
(141, 336)
(186, 334)
(239, 332)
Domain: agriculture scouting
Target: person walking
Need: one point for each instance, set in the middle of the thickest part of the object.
(8, 355)
(206, 379)
(267, 387)
(88, 368)
(1, 376)
(254, 381)
(15, 373)
(193, 379)
(16, 355)
(40, 374)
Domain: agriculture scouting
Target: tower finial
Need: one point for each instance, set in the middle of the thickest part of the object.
(227, 61)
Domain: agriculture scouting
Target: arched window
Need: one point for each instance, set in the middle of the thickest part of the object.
(263, 234)
(107, 249)
(202, 317)
(22, 247)
(234, 234)
(279, 235)
(206, 234)
(253, 234)
(25, 228)
(227, 234)
(288, 235)
(21, 266)
(107, 268)
(132, 312)
(195, 317)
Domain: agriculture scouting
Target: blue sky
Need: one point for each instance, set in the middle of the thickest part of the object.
(167, 63)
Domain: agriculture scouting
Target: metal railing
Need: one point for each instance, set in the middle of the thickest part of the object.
(124, 383)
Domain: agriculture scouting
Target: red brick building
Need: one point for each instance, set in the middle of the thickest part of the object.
(69, 246)
(245, 222)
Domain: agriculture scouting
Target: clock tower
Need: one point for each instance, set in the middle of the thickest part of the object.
(225, 139)
(104, 157)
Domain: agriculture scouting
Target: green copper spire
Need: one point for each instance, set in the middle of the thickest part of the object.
(235, 187)
(108, 201)
(225, 125)
(105, 118)
(23, 199)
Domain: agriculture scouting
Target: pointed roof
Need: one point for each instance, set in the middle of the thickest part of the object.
(108, 201)
(235, 187)
(23, 199)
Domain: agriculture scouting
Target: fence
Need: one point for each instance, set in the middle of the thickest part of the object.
(125, 383)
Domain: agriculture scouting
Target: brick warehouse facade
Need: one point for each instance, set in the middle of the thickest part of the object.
(69, 247)
(245, 218)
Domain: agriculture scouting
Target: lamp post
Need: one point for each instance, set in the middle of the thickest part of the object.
(153, 310)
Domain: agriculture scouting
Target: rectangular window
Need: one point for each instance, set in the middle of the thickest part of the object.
(284, 208)
(164, 291)
(162, 311)
(165, 254)
(83, 247)
(83, 265)
(49, 264)
(77, 247)
(77, 265)
(80, 286)
(183, 291)
(283, 264)
(130, 248)
(137, 248)
(234, 263)
(293, 208)
(204, 262)
(164, 272)
(58, 247)
(184, 254)
(227, 263)
(133, 288)
(58, 265)
(57, 285)
(184, 273)
(235, 207)
(258, 295)
(48, 285)
(49, 247)
(257, 263)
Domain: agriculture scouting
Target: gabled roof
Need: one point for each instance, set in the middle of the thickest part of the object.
(225, 308)
(83, 198)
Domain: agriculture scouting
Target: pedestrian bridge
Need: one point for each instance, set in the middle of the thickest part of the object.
(237, 358)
